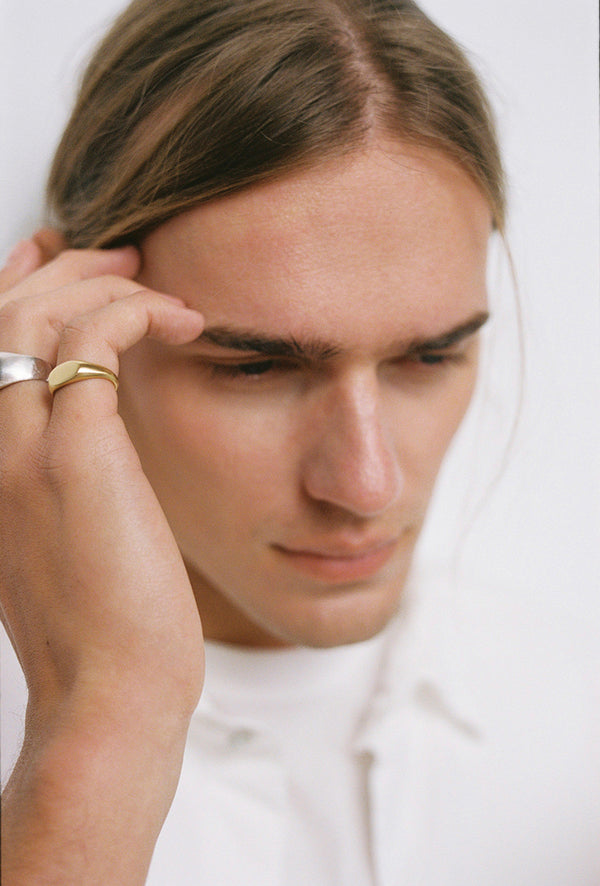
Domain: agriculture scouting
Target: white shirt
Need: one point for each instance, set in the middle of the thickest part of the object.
(479, 761)
(312, 703)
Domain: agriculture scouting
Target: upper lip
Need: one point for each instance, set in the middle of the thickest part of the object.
(339, 549)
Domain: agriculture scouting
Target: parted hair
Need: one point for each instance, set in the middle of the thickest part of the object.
(188, 100)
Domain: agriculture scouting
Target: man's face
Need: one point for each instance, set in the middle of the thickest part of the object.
(294, 447)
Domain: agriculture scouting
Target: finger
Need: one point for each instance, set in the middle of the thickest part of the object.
(24, 413)
(23, 260)
(101, 336)
(96, 337)
(74, 265)
(29, 255)
(51, 242)
(32, 325)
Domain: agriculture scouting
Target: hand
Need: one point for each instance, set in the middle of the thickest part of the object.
(93, 590)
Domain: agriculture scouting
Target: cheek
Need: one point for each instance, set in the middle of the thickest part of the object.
(222, 457)
(452, 412)
(425, 428)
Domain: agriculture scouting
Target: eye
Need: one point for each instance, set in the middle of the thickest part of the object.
(247, 369)
(427, 366)
(250, 370)
(435, 359)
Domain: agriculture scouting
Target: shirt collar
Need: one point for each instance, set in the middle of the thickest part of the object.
(425, 665)
(426, 662)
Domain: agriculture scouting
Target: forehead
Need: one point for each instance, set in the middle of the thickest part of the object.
(391, 232)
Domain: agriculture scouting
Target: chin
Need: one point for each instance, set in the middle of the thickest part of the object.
(301, 614)
(339, 620)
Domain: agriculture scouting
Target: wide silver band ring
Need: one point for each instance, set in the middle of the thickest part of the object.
(20, 367)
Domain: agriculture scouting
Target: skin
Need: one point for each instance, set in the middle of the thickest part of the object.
(296, 488)
(93, 592)
(281, 502)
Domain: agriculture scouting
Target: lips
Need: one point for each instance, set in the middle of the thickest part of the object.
(338, 564)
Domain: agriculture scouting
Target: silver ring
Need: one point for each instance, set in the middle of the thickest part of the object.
(19, 367)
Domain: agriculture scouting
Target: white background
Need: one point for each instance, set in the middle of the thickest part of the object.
(538, 531)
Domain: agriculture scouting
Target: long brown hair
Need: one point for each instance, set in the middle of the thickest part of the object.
(188, 100)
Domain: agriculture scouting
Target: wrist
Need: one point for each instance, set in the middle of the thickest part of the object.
(95, 776)
(104, 697)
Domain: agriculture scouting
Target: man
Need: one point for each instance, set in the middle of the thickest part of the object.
(291, 436)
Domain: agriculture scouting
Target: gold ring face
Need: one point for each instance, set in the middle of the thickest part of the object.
(77, 370)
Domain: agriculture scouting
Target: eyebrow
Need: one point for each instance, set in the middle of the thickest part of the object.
(269, 346)
(452, 336)
(313, 350)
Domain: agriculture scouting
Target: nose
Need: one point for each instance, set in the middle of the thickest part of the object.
(352, 461)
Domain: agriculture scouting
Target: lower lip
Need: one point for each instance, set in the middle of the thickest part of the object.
(339, 570)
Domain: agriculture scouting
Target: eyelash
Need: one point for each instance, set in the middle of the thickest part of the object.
(258, 368)
(248, 370)
(436, 359)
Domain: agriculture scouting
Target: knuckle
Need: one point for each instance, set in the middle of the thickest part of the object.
(56, 325)
(75, 331)
(74, 327)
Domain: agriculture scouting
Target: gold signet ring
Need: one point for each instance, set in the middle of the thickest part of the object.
(77, 370)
